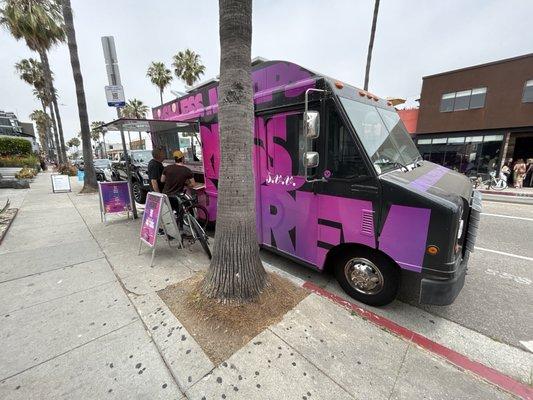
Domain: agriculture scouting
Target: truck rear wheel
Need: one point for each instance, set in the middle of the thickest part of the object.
(367, 276)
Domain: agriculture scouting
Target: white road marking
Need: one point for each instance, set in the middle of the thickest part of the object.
(507, 216)
(505, 254)
(507, 275)
(527, 345)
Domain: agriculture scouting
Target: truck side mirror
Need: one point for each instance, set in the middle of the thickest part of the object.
(312, 124)
(311, 159)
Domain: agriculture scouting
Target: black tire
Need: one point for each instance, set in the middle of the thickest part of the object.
(200, 214)
(139, 194)
(373, 267)
(202, 237)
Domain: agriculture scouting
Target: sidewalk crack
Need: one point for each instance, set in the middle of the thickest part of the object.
(409, 344)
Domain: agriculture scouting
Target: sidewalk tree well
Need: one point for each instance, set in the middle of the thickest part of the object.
(236, 273)
(40, 24)
(89, 180)
(160, 76)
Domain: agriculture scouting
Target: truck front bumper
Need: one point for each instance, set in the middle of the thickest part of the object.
(442, 292)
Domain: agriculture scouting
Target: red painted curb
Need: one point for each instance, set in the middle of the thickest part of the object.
(489, 374)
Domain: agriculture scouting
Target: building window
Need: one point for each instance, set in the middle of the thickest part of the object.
(464, 100)
(439, 140)
(528, 92)
(477, 100)
(455, 140)
(424, 141)
(446, 103)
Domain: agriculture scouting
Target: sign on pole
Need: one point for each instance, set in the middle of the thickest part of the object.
(60, 183)
(157, 214)
(115, 96)
(115, 197)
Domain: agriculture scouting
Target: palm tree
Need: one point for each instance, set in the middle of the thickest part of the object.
(42, 121)
(371, 44)
(135, 109)
(188, 66)
(89, 180)
(96, 128)
(160, 76)
(40, 25)
(236, 273)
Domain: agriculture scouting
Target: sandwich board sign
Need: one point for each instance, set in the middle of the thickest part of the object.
(157, 214)
(60, 183)
(115, 197)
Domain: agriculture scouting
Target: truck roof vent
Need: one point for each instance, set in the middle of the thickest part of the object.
(367, 222)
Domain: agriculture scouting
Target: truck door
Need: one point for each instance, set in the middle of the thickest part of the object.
(286, 207)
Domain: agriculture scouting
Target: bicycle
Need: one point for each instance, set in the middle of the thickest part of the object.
(190, 202)
(491, 183)
(189, 224)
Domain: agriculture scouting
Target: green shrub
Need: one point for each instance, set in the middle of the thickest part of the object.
(30, 161)
(14, 146)
(69, 170)
(26, 173)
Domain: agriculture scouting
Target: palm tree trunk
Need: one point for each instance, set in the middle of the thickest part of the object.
(60, 127)
(105, 149)
(371, 44)
(161, 95)
(236, 273)
(89, 182)
(56, 136)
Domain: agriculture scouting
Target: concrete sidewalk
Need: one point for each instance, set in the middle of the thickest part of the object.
(81, 319)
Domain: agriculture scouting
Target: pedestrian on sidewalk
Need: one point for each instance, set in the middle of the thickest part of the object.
(155, 169)
(519, 173)
(176, 178)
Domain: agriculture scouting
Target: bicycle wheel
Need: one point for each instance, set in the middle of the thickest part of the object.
(200, 214)
(201, 236)
(498, 184)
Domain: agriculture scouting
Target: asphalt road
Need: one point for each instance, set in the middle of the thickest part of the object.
(497, 299)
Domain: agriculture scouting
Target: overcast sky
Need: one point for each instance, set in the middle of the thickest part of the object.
(414, 38)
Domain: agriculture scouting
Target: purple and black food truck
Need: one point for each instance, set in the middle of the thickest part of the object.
(340, 185)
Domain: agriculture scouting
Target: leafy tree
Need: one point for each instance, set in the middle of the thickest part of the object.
(135, 109)
(371, 43)
(40, 24)
(96, 131)
(42, 122)
(74, 142)
(160, 76)
(188, 66)
(89, 182)
(236, 273)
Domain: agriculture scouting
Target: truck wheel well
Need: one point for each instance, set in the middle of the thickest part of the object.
(339, 249)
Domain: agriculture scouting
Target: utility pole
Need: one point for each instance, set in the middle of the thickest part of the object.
(371, 43)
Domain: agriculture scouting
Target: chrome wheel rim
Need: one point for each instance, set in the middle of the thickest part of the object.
(364, 276)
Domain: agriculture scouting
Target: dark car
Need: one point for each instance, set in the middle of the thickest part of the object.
(102, 167)
(139, 177)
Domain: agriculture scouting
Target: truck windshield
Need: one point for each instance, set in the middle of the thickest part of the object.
(142, 156)
(383, 135)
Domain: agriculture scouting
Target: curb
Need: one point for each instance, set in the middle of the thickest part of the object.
(8, 226)
(490, 375)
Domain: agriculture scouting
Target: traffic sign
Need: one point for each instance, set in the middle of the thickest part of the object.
(115, 96)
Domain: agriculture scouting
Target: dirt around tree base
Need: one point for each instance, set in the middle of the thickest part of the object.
(220, 329)
(6, 218)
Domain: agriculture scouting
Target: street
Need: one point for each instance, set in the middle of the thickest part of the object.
(497, 297)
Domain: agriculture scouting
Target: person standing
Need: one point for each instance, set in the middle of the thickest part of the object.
(176, 178)
(155, 170)
(519, 170)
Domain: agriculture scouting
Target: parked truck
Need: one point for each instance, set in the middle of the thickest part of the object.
(340, 185)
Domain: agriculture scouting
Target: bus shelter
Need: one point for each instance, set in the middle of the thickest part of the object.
(166, 135)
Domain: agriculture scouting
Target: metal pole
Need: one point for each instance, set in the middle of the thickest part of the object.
(128, 172)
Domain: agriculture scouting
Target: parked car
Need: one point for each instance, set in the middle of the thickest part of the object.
(102, 166)
(139, 173)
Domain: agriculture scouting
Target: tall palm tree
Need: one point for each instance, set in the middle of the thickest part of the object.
(188, 66)
(371, 43)
(96, 127)
(89, 180)
(40, 25)
(236, 273)
(160, 76)
(136, 109)
(42, 121)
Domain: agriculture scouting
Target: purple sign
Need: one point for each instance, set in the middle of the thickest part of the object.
(150, 222)
(115, 197)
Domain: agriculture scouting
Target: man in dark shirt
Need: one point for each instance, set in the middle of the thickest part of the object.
(155, 170)
(177, 176)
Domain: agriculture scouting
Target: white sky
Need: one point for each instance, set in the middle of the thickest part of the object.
(414, 38)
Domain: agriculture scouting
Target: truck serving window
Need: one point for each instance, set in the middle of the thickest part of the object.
(383, 135)
(344, 160)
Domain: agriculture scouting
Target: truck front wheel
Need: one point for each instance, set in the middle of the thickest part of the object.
(139, 194)
(367, 276)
